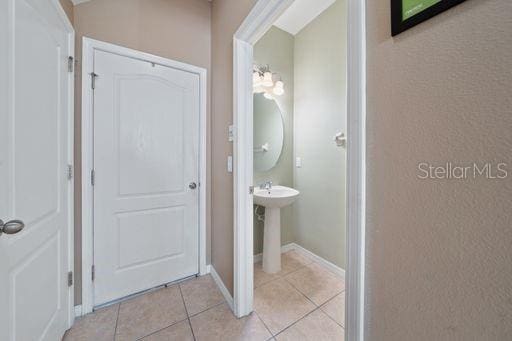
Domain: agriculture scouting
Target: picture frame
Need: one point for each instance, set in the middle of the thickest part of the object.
(408, 13)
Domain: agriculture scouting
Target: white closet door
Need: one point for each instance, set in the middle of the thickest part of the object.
(146, 164)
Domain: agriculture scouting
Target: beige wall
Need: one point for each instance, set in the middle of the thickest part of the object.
(175, 29)
(320, 112)
(439, 253)
(275, 48)
(67, 6)
(227, 15)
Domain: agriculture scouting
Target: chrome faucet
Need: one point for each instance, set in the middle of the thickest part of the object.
(266, 185)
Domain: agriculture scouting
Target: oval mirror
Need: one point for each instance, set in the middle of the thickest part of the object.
(268, 133)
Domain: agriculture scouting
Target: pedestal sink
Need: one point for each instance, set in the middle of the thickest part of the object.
(273, 200)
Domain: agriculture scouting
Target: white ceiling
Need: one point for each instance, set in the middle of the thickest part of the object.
(301, 13)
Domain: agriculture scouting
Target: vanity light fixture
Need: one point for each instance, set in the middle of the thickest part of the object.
(263, 82)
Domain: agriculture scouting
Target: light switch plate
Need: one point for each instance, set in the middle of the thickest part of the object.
(230, 164)
(298, 162)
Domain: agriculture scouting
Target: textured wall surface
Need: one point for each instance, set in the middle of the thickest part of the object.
(320, 112)
(275, 48)
(152, 26)
(227, 15)
(439, 252)
(67, 6)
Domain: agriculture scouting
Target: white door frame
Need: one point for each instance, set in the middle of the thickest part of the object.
(88, 48)
(70, 142)
(259, 20)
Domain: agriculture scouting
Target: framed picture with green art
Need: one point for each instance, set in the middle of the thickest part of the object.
(408, 13)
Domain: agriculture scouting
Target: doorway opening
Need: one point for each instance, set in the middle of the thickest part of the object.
(255, 154)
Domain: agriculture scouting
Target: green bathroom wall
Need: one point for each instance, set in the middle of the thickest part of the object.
(319, 113)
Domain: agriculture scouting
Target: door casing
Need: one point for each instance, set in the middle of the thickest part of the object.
(89, 46)
(256, 24)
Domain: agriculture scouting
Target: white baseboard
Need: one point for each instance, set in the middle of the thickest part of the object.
(78, 310)
(259, 257)
(288, 247)
(222, 287)
(321, 261)
(284, 248)
(305, 252)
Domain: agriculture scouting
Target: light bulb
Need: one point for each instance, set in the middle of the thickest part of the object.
(278, 88)
(256, 79)
(278, 91)
(267, 79)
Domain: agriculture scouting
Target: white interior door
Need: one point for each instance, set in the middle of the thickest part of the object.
(35, 148)
(146, 171)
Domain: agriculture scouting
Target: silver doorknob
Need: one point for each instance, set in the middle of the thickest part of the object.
(192, 185)
(11, 227)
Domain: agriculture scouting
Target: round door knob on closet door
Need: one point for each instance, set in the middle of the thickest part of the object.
(11, 227)
(192, 185)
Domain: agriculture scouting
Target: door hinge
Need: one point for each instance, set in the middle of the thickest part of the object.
(251, 189)
(70, 278)
(70, 172)
(71, 64)
(93, 272)
(93, 177)
(93, 80)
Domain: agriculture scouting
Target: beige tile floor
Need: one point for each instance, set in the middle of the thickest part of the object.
(301, 302)
(304, 301)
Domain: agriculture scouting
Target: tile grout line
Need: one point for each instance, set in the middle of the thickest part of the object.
(294, 323)
(117, 321)
(159, 330)
(187, 318)
(186, 312)
(303, 294)
(172, 324)
(317, 307)
(281, 276)
(329, 316)
(209, 308)
(269, 331)
(302, 318)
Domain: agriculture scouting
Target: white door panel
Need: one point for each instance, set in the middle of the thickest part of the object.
(34, 153)
(146, 134)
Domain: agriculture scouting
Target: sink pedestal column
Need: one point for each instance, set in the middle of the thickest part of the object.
(272, 240)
